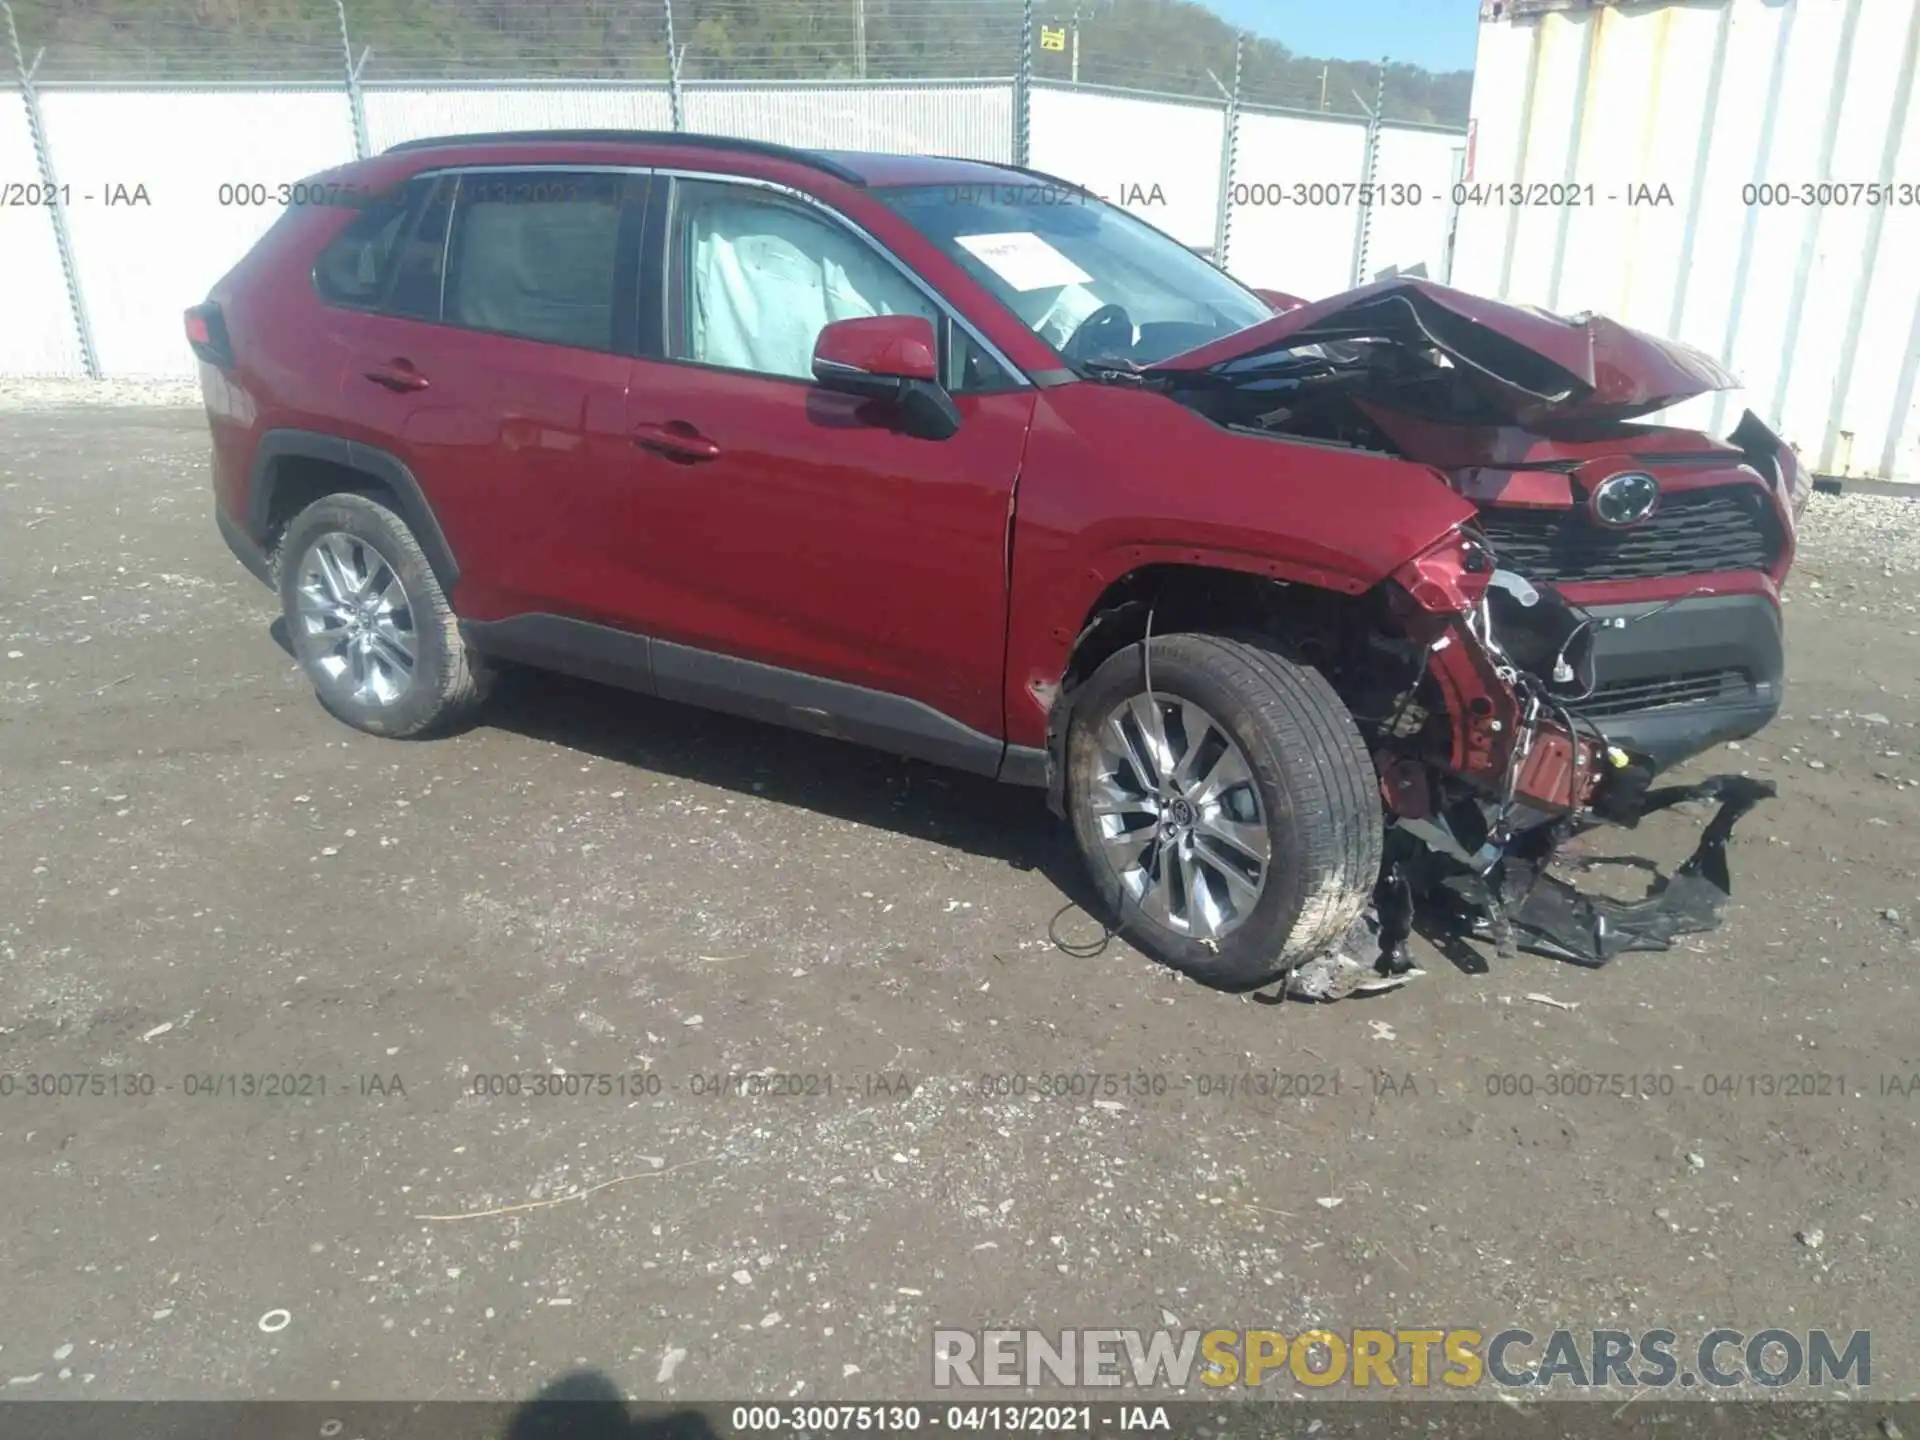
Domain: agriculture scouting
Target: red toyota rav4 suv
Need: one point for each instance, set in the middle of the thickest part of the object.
(1305, 619)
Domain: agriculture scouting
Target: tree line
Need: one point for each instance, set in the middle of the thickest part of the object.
(1173, 46)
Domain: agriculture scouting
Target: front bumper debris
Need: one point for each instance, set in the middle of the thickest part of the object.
(1521, 905)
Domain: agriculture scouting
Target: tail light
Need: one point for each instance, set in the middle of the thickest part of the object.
(207, 335)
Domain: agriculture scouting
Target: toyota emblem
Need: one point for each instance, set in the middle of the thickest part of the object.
(1626, 499)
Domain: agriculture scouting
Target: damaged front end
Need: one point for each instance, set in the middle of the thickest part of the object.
(1489, 772)
(1506, 686)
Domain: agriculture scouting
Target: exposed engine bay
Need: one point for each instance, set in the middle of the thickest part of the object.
(1330, 392)
(1471, 680)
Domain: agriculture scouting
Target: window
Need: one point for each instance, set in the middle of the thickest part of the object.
(757, 277)
(970, 366)
(536, 254)
(1056, 257)
(420, 257)
(354, 267)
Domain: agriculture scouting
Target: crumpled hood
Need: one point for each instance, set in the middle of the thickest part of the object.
(1532, 364)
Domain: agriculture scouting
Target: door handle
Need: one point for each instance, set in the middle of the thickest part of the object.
(397, 375)
(677, 440)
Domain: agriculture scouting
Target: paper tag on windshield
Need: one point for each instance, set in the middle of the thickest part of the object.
(1024, 260)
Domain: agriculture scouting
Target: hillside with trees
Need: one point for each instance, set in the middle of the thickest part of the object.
(1171, 46)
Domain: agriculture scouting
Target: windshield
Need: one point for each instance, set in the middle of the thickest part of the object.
(1092, 281)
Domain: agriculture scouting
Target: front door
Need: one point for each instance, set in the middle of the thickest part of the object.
(793, 526)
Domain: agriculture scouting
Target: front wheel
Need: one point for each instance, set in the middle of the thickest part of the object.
(1231, 820)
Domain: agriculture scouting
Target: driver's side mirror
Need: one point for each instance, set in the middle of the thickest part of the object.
(893, 358)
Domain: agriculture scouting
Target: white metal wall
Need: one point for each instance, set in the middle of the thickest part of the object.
(1815, 305)
(395, 114)
(1121, 148)
(1305, 250)
(975, 121)
(1403, 233)
(38, 335)
(141, 265)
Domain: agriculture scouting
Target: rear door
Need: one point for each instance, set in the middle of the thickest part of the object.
(495, 366)
(801, 529)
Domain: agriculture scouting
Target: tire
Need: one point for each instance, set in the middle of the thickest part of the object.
(446, 682)
(1306, 769)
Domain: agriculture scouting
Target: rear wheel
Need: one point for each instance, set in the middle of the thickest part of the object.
(1231, 819)
(369, 623)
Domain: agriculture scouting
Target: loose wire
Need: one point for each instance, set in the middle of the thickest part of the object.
(1088, 950)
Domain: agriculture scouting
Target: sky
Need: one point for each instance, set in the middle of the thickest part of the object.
(1438, 34)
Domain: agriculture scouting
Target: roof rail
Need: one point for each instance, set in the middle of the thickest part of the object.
(808, 158)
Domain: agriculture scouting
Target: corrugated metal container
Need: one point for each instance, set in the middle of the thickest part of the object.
(1743, 175)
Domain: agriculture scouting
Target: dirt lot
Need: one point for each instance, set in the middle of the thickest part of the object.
(204, 879)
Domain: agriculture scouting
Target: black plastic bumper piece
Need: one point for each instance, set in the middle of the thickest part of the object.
(245, 548)
(1551, 917)
(1704, 634)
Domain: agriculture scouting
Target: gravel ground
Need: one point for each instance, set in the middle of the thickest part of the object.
(205, 880)
(29, 394)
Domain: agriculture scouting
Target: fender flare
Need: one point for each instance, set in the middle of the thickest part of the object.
(369, 460)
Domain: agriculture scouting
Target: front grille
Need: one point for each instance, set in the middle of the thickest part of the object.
(1692, 533)
(1668, 692)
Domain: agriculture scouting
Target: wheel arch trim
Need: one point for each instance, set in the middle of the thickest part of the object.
(380, 465)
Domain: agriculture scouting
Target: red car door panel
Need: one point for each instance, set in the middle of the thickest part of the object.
(802, 528)
(817, 536)
(521, 449)
(506, 398)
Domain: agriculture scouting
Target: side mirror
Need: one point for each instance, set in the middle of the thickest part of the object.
(890, 358)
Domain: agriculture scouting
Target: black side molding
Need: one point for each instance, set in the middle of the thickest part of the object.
(1027, 765)
(824, 707)
(278, 445)
(835, 708)
(573, 647)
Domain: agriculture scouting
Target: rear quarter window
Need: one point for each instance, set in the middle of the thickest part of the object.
(354, 267)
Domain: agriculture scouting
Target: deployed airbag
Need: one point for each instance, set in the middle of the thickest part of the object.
(767, 278)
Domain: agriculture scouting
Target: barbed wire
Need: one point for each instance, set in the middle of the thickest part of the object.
(1168, 47)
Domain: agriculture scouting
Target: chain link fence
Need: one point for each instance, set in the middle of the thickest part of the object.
(1158, 105)
(1166, 47)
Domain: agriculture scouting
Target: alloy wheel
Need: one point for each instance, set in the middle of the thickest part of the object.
(355, 628)
(1179, 816)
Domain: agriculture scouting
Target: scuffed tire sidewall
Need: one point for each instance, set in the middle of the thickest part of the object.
(1316, 786)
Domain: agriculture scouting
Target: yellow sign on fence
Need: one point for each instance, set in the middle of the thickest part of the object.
(1052, 39)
